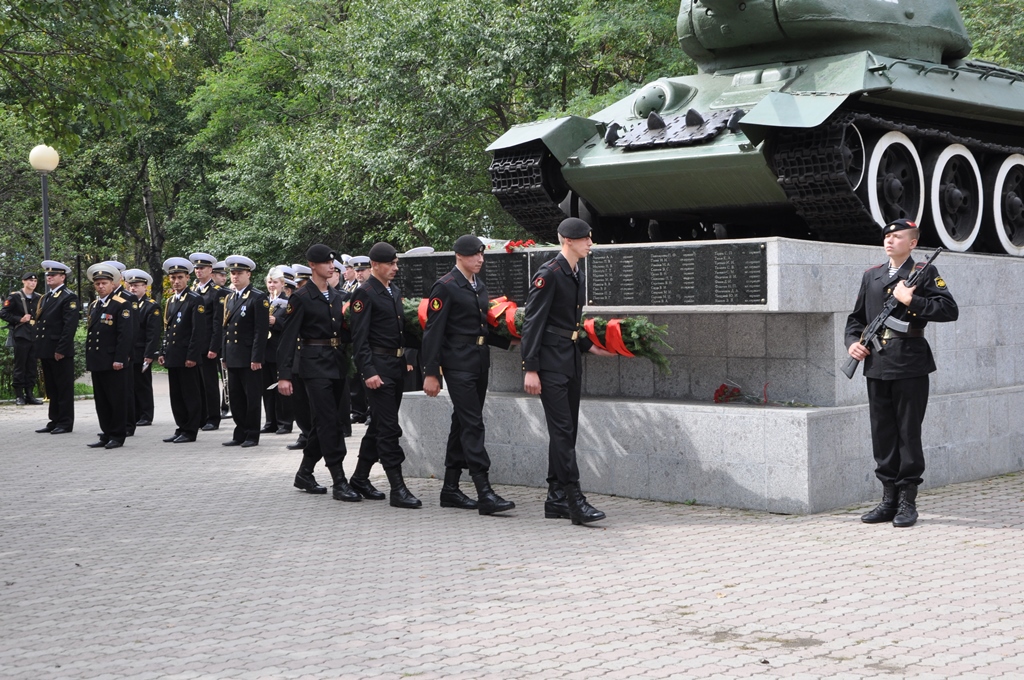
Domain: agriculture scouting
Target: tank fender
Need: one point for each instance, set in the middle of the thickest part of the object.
(561, 136)
(782, 109)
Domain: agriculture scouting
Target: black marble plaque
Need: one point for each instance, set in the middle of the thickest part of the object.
(416, 275)
(507, 274)
(705, 274)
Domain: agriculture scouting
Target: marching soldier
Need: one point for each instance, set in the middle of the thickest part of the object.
(551, 346)
(300, 402)
(57, 318)
(311, 346)
(360, 267)
(246, 325)
(107, 353)
(146, 348)
(19, 311)
(186, 342)
(456, 341)
(378, 335)
(897, 377)
(213, 302)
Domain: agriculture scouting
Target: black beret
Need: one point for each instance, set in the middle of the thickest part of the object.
(898, 225)
(318, 252)
(29, 275)
(468, 245)
(573, 227)
(383, 252)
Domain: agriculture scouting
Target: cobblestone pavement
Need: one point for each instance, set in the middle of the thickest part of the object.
(198, 561)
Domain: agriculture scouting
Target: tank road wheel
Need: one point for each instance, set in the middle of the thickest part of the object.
(894, 182)
(955, 197)
(1004, 183)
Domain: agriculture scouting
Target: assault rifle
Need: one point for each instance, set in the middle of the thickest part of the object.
(885, 320)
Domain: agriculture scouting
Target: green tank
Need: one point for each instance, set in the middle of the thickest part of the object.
(809, 118)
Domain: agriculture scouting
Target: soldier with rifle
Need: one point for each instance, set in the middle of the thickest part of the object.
(897, 369)
(19, 311)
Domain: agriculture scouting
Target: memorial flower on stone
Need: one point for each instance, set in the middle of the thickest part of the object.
(512, 245)
(632, 336)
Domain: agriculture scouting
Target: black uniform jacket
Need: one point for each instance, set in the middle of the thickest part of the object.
(246, 324)
(148, 331)
(111, 333)
(555, 301)
(456, 315)
(16, 306)
(901, 357)
(213, 302)
(310, 316)
(378, 321)
(278, 310)
(56, 321)
(185, 330)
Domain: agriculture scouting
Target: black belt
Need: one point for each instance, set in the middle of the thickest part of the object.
(386, 351)
(325, 342)
(468, 339)
(912, 333)
(571, 335)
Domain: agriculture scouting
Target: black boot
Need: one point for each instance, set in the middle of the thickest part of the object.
(19, 396)
(401, 497)
(489, 502)
(580, 511)
(555, 506)
(29, 399)
(360, 481)
(342, 491)
(305, 480)
(907, 514)
(451, 494)
(884, 511)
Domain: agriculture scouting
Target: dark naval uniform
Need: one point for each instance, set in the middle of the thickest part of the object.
(246, 323)
(276, 406)
(897, 377)
(213, 297)
(110, 339)
(57, 318)
(311, 348)
(456, 339)
(129, 369)
(185, 339)
(23, 335)
(148, 336)
(552, 341)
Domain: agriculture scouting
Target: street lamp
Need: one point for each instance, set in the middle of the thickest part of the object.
(45, 159)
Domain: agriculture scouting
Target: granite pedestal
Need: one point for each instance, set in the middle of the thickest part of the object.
(661, 437)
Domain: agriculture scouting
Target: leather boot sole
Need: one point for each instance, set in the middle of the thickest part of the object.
(408, 505)
(310, 489)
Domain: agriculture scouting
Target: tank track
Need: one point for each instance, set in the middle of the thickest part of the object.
(517, 181)
(812, 172)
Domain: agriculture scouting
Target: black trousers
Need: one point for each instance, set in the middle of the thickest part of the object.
(325, 396)
(300, 407)
(142, 391)
(59, 380)
(110, 394)
(244, 388)
(357, 395)
(24, 365)
(129, 397)
(380, 443)
(897, 410)
(560, 396)
(186, 403)
(210, 381)
(466, 436)
(277, 408)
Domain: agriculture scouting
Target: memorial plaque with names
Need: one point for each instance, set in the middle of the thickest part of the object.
(507, 274)
(706, 274)
(416, 275)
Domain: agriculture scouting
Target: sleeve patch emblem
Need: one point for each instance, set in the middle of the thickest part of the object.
(357, 306)
(126, 314)
(939, 282)
(156, 312)
(202, 310)
(289, 310)
(436, 304)
(539, 282)
(7, 303)
(73, 305)
(266, 303)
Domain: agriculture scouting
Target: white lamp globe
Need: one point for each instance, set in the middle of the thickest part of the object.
(44, 158)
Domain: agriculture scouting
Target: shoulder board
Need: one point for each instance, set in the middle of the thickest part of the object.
(875, 267)
(919, 265)
(118, 298)
(217, 286)
(151, 300)
(447, 278)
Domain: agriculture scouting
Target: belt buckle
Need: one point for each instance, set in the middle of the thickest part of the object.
(334, 342)
(400, 352)
(479, 339)
(887, 334)
(575, 335)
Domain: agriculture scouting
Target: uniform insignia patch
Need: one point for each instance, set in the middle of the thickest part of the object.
(74, 305)
(436, 304)
(202, 309)
(156, 312)
(126, 314)
(289, 310)
(7, 303)
(135, 305)
(266, 303)
(357, 306)
(539, 282)
(939, 282)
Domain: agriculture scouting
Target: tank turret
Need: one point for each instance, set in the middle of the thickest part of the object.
(809, 118)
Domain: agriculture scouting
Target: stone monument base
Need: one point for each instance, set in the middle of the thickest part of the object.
(778, 459)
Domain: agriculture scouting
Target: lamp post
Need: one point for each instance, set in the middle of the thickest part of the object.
(45, 159)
